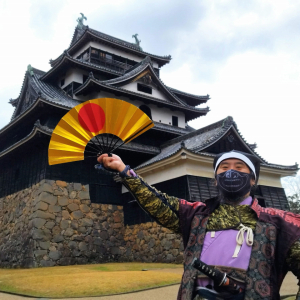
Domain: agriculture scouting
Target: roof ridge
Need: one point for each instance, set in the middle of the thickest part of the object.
(110, 38)
(188, 94)
(197, 131)
(88, 64)
(125, 43)
(132, 92)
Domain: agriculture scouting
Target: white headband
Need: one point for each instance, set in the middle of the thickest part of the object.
(237, 155)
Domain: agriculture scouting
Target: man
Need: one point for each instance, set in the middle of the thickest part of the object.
(255, 246)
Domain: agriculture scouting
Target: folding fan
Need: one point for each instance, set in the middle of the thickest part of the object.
(94, 127)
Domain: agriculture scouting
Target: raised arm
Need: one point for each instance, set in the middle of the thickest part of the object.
(163, 208)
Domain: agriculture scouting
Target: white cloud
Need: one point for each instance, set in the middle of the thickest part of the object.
(243, 53)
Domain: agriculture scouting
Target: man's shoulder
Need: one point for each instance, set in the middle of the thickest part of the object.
(192, 205)
(274, 214)
(208, 206)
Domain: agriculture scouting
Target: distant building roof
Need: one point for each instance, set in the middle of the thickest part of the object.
(199, 140)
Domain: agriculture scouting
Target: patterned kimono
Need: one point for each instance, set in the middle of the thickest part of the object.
(275, 250)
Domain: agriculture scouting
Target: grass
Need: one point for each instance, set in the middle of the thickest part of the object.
(88, 280)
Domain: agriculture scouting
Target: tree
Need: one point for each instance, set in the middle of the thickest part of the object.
(292, 189)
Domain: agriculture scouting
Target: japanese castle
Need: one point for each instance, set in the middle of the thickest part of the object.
(70, 214)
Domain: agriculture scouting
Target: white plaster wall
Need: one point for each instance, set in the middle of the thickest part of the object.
(185, 166)
(132, 86)
(162, 115)
(269, 179)
(73, 74)
(112, 50)
(178, 169)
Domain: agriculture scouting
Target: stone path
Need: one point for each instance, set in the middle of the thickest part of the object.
(289, 287)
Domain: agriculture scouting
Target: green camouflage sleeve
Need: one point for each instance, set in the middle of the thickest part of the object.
(163, 208)
(293, 262)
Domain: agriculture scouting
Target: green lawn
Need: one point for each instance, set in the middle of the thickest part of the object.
(88, 280)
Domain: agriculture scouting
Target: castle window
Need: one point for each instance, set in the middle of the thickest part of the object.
(62, 82)
(174, 121)
(146, 110)
(144, 88)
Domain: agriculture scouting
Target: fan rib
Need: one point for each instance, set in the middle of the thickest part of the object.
(131, 137)
(70, 140)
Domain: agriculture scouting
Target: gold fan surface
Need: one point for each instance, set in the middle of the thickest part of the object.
(92, 118)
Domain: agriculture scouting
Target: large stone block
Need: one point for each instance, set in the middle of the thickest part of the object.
(41, 206)
(65, 214)
(82, 229)
(40, 253)
(69, 232)
(50, 224)
(61, 183)
(55, 255)
(63, 201)
(84, 208)
(66, 261)
(47, 263)
(42, 215)
(58, 238)
(38, 222)
(44, 245)
(77, 186)
(86, 222)
(58, 192)
(45, 187)
(54, 208)
(56, 230)
(84, 195)
(74, 224)
(77, 214)
(48, 198)
(72, 207)
(41, 234)
(82, 246)
(64, 224)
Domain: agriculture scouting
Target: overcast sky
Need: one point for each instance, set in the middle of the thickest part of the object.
(244, 54)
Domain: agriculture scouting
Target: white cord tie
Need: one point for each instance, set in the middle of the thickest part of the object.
(240, 238)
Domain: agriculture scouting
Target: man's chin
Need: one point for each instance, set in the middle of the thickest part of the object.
(233, 199)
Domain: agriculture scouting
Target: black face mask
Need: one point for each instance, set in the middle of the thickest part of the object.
(234, 184)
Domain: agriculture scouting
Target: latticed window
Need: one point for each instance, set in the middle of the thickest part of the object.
(274, 197)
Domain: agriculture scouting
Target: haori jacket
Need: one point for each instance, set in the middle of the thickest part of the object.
(275, 251)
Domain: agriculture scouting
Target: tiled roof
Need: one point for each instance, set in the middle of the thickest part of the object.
(37, 127)
(132, 146)
(45, 91)
(116, 41)
(188, 94)
(198, 140)
(137, 69)
(197, 111)
(172, 129)
(66, 57)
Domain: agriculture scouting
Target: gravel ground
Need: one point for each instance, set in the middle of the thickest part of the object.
(289, 287)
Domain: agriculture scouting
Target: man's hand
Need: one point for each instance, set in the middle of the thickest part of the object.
(113, 162)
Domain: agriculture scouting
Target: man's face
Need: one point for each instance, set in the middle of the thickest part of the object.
(237, 165)
(233, 164)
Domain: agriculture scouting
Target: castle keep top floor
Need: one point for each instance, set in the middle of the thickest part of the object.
(97, 65)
